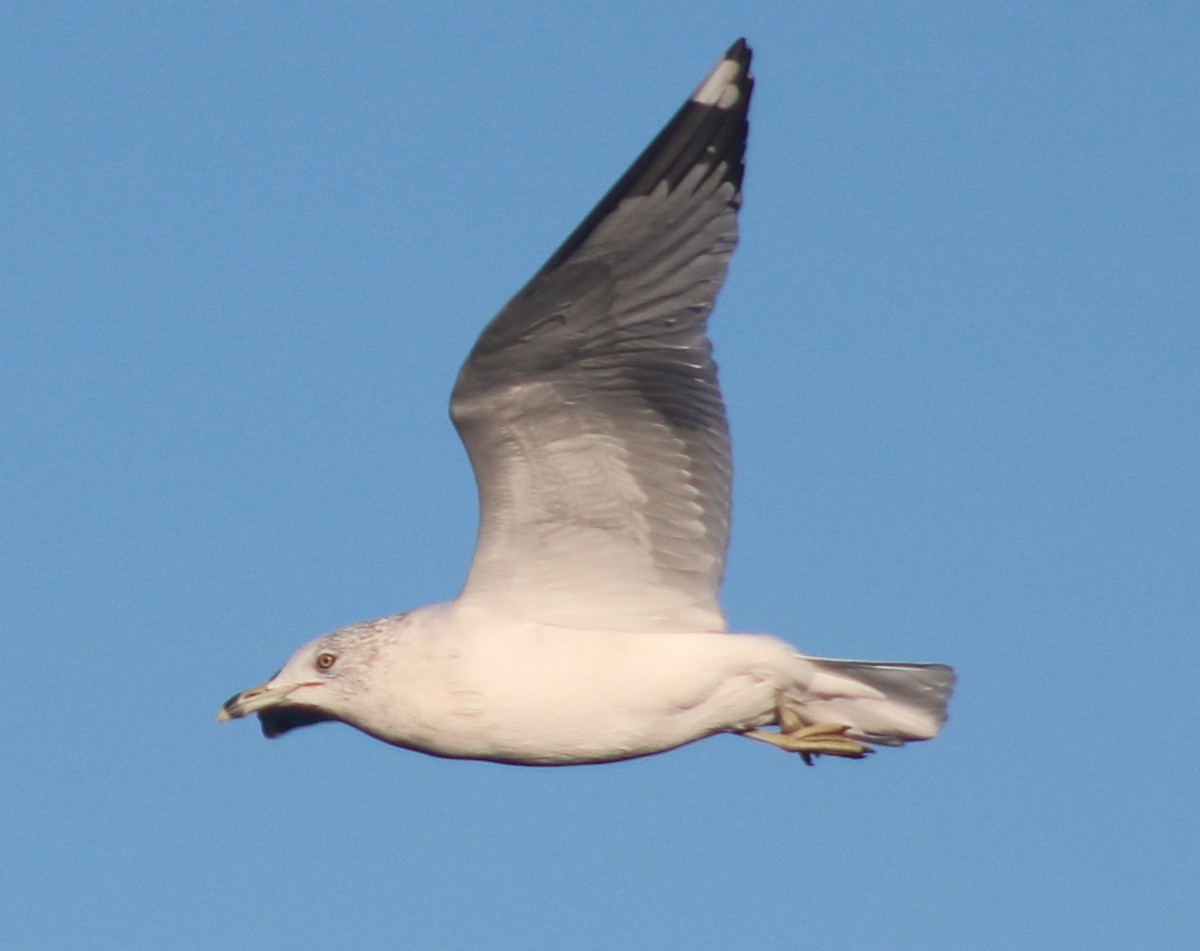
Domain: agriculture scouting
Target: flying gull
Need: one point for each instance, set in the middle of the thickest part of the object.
(589, 628)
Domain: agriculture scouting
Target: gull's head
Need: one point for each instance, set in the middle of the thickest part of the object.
(320, 682)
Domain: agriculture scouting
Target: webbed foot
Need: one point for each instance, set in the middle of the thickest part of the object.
(815, 739)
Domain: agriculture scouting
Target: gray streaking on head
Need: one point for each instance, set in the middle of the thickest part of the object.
(589, 629)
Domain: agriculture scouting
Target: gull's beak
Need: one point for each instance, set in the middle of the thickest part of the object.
(262, 697)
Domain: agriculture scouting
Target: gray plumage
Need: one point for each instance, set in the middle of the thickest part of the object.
(589, 627)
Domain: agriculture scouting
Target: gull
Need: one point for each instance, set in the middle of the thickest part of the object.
(589, 629)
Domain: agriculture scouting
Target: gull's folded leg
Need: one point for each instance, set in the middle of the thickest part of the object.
(817, 738)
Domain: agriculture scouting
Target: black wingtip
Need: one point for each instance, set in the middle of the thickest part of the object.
(739, 51)
(710, 128)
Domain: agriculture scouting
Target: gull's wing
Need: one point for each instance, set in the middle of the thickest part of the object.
(589, 405)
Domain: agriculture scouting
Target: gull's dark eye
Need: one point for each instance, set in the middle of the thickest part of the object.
(325, 660)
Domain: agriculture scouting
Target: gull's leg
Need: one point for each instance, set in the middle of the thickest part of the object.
(815, 739)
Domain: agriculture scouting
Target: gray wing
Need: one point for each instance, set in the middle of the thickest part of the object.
(589, 405)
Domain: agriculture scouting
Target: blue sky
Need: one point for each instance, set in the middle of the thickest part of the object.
(243, 250)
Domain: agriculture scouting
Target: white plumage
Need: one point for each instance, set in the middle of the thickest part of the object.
(589, 627)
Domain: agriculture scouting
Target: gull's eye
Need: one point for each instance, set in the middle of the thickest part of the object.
(325, 660)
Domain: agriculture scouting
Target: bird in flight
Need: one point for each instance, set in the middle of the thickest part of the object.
(589, 628)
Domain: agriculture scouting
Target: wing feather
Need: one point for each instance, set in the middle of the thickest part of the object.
(589, 405)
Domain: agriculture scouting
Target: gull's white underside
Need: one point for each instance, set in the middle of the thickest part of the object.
(589, 627)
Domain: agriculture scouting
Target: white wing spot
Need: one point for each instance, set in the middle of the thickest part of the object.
(718, 88)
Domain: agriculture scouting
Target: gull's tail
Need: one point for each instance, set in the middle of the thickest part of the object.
(885, 704)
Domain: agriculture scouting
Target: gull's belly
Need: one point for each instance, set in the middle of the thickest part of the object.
(549, 696)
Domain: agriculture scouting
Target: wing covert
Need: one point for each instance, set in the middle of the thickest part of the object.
(589, 405)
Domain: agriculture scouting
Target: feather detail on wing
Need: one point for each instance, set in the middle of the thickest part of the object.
(589, 405)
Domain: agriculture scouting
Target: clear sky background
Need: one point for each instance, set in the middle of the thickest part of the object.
(244, 248)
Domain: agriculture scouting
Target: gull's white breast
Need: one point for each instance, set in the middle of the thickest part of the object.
(467, 686)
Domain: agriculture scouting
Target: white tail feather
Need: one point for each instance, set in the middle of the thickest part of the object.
(882, 703)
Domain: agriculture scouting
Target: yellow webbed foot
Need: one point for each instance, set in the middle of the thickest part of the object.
(816, 739)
